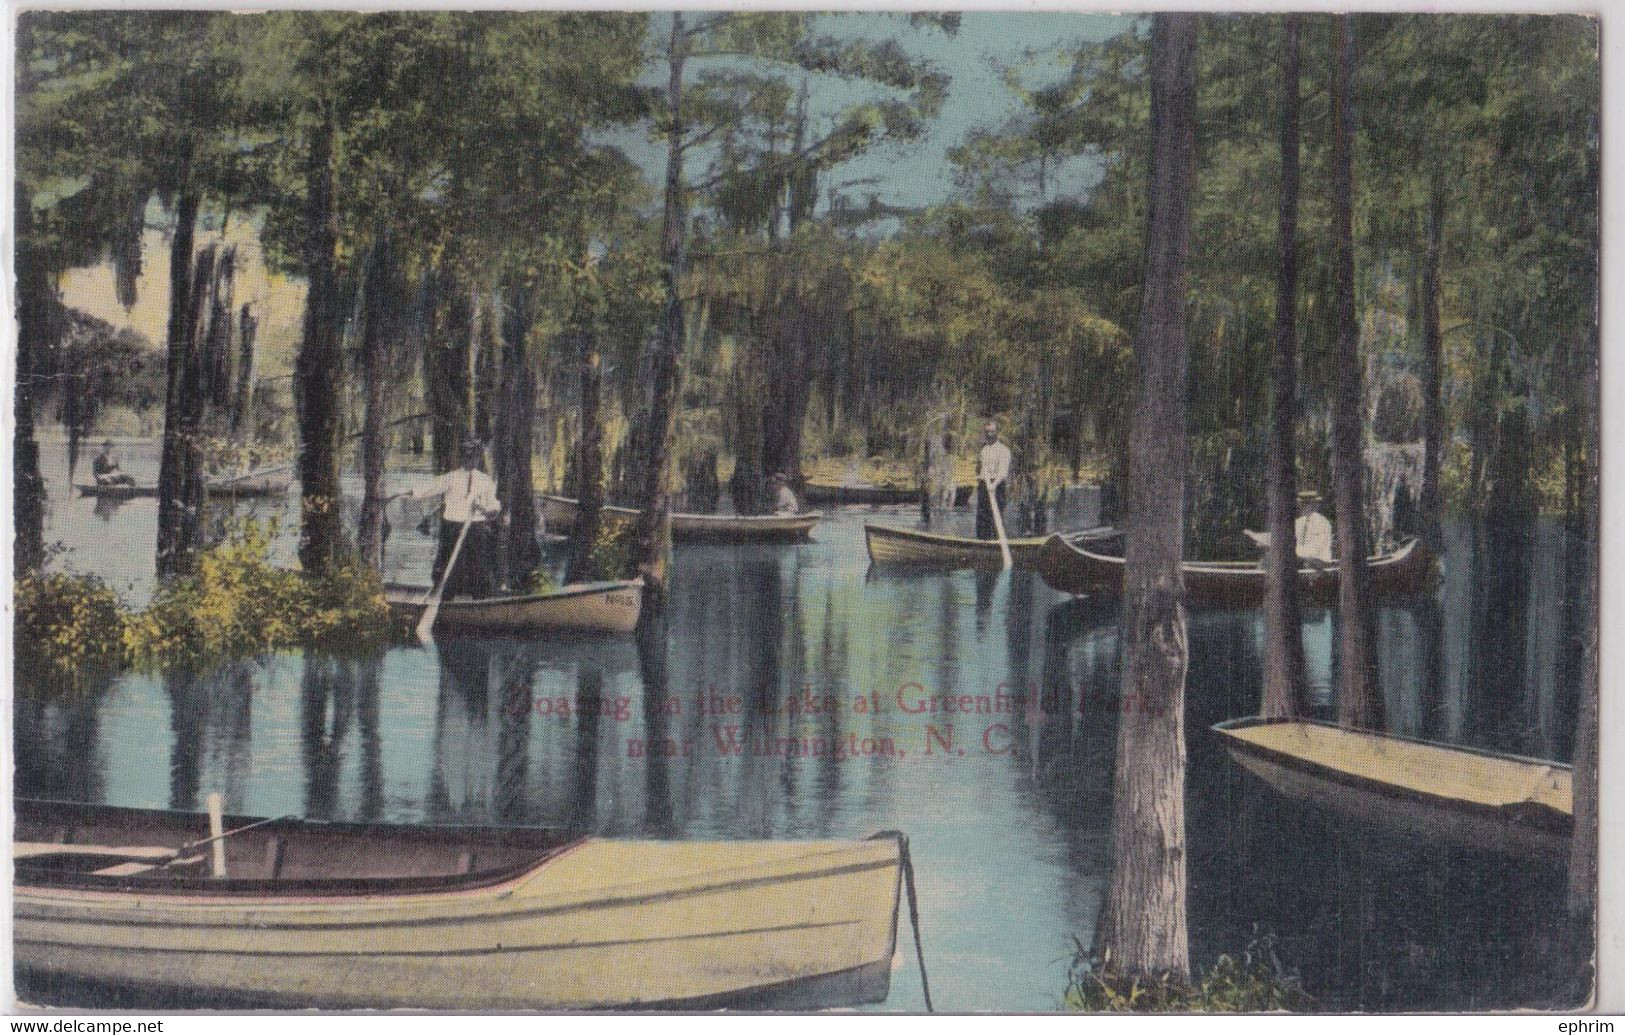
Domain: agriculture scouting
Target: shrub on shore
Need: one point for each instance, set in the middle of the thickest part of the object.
(1254, 982)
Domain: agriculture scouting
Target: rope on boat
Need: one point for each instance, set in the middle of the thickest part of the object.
(907, 862)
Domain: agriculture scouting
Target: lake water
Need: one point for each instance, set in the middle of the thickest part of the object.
(744, 721)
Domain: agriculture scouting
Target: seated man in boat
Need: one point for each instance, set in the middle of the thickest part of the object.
(992, 470)
(1312, 529)
(784, 497)
(470, 495)
(106, 468)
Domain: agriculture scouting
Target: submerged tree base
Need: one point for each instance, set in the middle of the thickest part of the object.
(1254, 982)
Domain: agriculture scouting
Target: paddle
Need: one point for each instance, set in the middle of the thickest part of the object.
(998, 522)
(432, 611)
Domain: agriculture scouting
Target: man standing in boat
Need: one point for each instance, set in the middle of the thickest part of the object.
(470, 495)
(106, 470)
(992, 470)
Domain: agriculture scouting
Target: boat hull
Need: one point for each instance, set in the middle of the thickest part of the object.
(259, 485)
(118, 492)
(559, 512)
(1434, 793)
(1069, 566)
(874, 495)
(907, 547)
(611, 607)
(596, 925)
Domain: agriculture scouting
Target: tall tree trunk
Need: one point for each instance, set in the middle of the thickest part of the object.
(1582, 898)
(174, 548)
(1360, 701)
(652, 543)
(193, 405)
(1142, 923)
(1431, 504)
(33, 339)
(446, 365)
(217, 336)
(380, 292)
(1283, 614)
(589, 460)
(242, 399)
(318, 365)
(515, 422)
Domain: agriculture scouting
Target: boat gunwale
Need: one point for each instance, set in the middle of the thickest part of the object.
(809, 518)
(1546, 818)
(1383, 560)
(600, 588)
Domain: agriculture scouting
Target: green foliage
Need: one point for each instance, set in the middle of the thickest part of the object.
(66, 627)
(1254, 982)
(542, 581)
(613, 553)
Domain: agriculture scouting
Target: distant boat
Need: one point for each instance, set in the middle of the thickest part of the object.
(1070, 566)
(363, 916)
(560, 512)
(1468, 797)
(889, 545)
(269, 482)
(827, 493)
(584, 607)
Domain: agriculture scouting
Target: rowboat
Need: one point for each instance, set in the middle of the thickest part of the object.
(583, 607)
(351, 915)
(1070, 566)
(826, 493)
(560, 514)
(1468, 797)
(910, 547)
(272, 481)
(254, 484)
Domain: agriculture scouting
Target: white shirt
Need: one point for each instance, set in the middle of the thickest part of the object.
(468, 492)
(787, 502)
(995, 463)
(1314, 532)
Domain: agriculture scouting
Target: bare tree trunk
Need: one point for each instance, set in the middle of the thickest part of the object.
(174, 546)
(33, 338)
(378, 293)
(665, 371)
(589, 460)
(1142, 924)
(446, 366)
(217, 338)
(1431, 504)
(317, 366)
(242, 400)
(1283, 614)
(1360, 703)
(515, 422)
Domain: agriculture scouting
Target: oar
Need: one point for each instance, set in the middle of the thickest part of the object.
(432, 611)
(998, 521)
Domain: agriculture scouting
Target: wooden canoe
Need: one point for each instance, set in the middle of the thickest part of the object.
(559, 512)
(255, 484)
(826, 493)
(346, 915)
(584, 607)
(911, 547)
(1468, 797)
(1070, 566)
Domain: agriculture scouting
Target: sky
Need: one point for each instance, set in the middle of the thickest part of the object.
(917, 172)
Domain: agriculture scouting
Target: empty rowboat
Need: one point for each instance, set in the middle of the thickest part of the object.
(560, 514)
(1468, 797)
(865, 494)
(346, 915)
(889, 545)
(585, 607)
(1072, 565)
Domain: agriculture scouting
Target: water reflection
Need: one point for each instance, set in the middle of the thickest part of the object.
(737, 715)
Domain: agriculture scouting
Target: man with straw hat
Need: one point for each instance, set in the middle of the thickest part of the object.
(1312, 529)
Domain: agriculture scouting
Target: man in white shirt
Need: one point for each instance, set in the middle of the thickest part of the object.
(469, 496)
(784, 497)
(992, 471)
(1312, 529)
